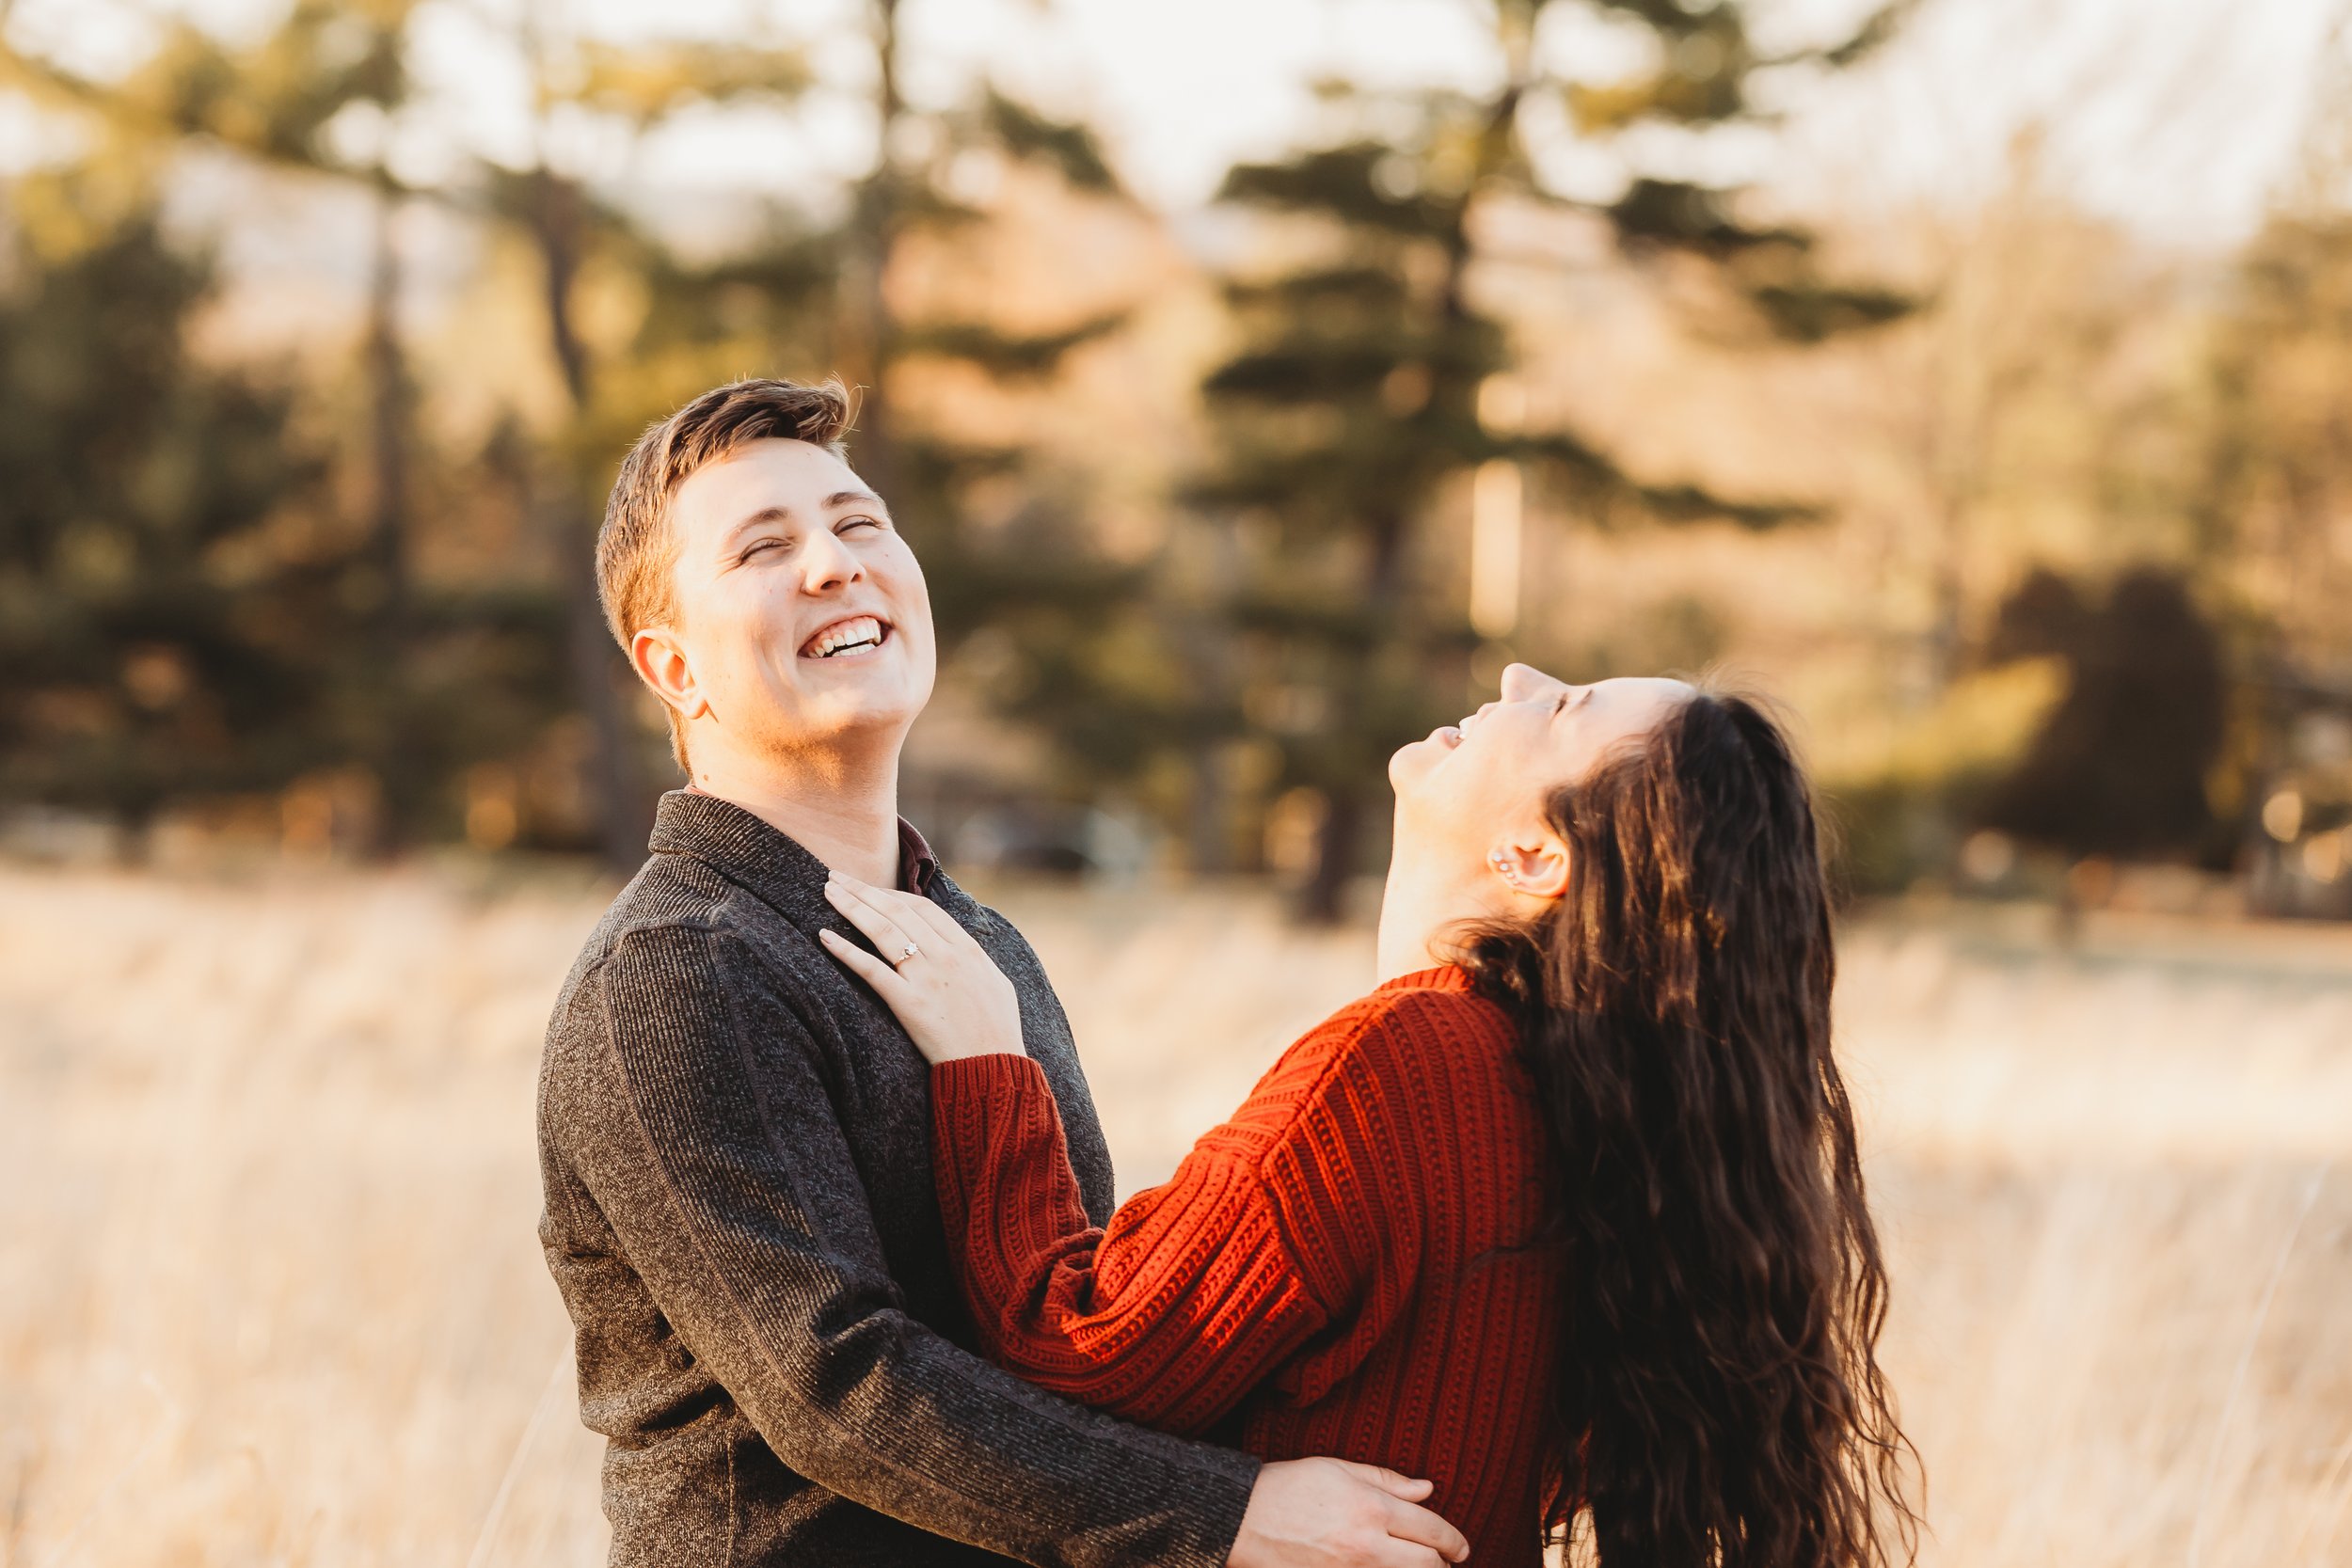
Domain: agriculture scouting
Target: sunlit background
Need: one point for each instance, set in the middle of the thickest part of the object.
(1255, 379)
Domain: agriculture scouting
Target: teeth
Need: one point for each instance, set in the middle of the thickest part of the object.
(863, 632)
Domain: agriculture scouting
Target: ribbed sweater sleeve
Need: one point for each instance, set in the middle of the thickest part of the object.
(1199, 1291)
(733, 1191)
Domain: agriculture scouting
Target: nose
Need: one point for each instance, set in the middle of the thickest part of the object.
(829, 563)
(1524, 682)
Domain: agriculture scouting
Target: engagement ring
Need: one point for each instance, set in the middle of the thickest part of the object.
(909, 953)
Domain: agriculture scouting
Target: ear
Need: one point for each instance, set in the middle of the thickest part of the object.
(661, 662)
(1537, 867)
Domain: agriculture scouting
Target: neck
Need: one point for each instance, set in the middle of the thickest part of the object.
(840, 804)
(1425, 898)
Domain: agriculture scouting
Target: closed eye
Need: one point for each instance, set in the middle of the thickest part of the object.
(860, 519)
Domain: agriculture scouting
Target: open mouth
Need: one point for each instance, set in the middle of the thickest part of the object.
(846, 639)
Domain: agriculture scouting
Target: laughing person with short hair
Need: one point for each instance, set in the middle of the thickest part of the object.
(735, 1133)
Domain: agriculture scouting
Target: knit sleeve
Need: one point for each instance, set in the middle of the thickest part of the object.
(729, 1185)
(1199, 1291)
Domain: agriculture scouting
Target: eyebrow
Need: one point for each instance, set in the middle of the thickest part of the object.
(784, 514)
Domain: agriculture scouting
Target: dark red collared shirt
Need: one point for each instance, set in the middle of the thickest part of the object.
(918, 866)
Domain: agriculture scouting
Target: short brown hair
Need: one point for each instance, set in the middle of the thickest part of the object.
(637, 548)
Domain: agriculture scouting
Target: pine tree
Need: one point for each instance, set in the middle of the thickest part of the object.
(1080, 658)
(166, 585)
(803, 298)
(429, 682)
(1368, 378)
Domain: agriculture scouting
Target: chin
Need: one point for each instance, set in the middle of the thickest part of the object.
(876, 712)
(879, 691)
(820, 719)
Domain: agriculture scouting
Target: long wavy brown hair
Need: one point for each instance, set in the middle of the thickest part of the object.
(1718, 1397)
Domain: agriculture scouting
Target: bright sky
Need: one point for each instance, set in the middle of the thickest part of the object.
(2177, 115)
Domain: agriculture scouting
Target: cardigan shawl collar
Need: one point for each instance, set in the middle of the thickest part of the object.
(747, 851)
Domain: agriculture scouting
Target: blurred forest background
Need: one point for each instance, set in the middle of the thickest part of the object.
(1888, 356)
(1254, 377)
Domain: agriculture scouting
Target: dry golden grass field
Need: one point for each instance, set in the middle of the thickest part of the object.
(269, 1291)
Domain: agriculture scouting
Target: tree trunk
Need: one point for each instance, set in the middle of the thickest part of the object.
(1324, 899)
(621, 811)
(387, 411)
(1347, 807)
(395, 762)
(622, 814)
(1339, 841)
(867, 335)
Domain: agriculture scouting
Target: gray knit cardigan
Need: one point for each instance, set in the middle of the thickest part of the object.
(735, 1140)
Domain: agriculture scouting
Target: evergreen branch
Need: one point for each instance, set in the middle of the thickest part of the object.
(1365, 286)
(1691, 503)
(1321, 488)
(1598, 478)
(193, 89)
(1071, 148)
(1307, 370)
(931, 464)
(1342, 183)
(1677, 216)
(1570, 458)
(1008, 354)
(1811, 312)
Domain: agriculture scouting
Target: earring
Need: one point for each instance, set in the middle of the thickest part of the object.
(1502, 869)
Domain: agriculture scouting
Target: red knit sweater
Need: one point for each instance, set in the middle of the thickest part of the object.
(1335, 1265)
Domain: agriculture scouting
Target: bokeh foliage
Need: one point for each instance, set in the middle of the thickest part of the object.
(1361, 386)
(165, 581)
(225, 578)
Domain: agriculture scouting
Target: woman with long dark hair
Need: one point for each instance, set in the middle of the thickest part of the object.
(1566, 1216)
